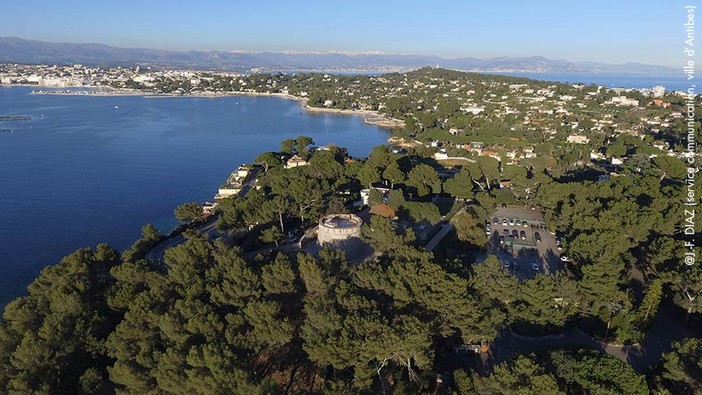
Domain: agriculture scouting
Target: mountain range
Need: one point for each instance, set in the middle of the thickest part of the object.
(18, 50)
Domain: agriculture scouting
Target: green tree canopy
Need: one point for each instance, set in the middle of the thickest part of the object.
(588, 371)
(425, 179)
(268, 160)
(521, 376)
(682, 367)
(188, 211)
(287, 146)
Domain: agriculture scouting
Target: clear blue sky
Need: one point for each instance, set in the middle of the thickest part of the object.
(613, 31)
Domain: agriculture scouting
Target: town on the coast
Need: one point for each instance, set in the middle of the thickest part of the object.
(513, 236)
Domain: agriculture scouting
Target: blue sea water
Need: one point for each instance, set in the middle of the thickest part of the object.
(676, 82)
(90, 169)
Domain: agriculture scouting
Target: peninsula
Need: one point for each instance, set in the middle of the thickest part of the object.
(520, 235)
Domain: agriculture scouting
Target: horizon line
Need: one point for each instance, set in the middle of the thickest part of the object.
(337, 52)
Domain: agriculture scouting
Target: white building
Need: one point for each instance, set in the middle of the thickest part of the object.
(295, 161)
(577, 139)
(242, 172)
(624, 101)
(440, 156)
(209, 207)
(473, 110)
(658, 91)
(596, 155)
(227, 191)
(529, 153)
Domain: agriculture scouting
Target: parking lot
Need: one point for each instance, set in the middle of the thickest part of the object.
(524, 254)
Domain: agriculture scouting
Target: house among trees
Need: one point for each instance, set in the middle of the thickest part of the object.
(233, 184)
(529, 153)
(384, 210)
(491, 154)
(209, 207)
(295, 161)
(577, 139)
(242, 172)
(476, 146)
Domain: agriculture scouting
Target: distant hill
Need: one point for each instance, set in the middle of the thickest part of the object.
(17, 50)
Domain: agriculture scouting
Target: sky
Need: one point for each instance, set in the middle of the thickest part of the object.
(613, 31)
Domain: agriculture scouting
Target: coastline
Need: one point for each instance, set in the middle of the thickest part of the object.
(370, 117)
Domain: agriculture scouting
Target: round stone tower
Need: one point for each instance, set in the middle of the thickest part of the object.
(337, 229)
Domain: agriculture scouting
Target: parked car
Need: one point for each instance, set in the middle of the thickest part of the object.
(565, 258)
(511, 222)
(537, 237)
(502, 239)
(506, 264)
(522, 235)
(526, 225)
(534, 266)
(504, 221)
(515, 233)
(495, 221)
(518, 222)
(505, 231)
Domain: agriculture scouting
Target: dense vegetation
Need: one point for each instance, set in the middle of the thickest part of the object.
(515, 111)
(254, 313)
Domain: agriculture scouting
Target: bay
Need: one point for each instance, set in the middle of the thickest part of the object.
(92, 169)
(671, 82)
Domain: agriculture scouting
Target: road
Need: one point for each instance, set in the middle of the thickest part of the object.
(157, 253)
(209, 228)
(666, 329)
(445, 229)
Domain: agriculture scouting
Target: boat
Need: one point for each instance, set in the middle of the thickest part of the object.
(15, 118)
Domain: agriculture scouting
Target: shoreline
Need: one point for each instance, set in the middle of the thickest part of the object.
(370, 117)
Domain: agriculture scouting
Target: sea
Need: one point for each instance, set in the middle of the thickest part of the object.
(671, 82)
(92, 169)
